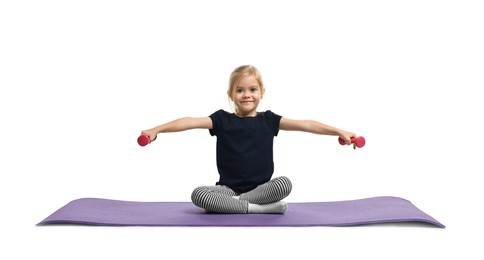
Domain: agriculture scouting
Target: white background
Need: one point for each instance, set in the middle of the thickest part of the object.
(80, 79)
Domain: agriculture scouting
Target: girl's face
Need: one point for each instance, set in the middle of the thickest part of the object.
(247, 96)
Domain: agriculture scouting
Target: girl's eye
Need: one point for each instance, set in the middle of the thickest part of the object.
(253, 89)
(239, 91)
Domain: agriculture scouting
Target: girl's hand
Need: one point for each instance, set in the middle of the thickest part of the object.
(150, 133)
(347, 137)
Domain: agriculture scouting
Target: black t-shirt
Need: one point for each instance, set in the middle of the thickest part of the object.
(244, 148)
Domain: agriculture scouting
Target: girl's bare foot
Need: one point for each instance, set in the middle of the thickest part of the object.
(278, 207)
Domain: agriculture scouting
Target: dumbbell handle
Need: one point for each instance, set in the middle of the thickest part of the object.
(359, 141)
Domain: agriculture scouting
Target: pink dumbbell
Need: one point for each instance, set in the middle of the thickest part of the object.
(144, 140)
(359, 141)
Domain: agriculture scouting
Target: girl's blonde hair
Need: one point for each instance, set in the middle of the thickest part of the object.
(241, 72)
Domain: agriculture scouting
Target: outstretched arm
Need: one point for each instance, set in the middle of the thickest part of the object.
(314, 127)
(181, 124)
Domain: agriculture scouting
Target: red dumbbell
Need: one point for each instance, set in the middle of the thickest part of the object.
(359, 141)
(144, 140)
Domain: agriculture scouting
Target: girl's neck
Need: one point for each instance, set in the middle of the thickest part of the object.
(250, 114)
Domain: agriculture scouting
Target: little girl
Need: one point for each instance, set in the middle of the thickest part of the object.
(245, 149)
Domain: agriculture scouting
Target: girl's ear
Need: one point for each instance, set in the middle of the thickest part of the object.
(230, 96)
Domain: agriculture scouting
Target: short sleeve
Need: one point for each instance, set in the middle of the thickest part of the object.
(273, 120)
(216, 121)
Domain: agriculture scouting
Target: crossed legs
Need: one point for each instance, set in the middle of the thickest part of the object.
(266, 198)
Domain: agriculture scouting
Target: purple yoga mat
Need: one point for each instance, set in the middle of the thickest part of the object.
(93, 211)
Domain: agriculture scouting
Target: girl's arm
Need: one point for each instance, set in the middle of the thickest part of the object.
(181, 124)
(314, 127)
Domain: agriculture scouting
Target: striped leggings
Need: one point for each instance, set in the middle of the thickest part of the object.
(220, 198)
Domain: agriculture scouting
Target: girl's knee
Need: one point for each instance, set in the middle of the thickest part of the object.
(285, 184)
(198, 194)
